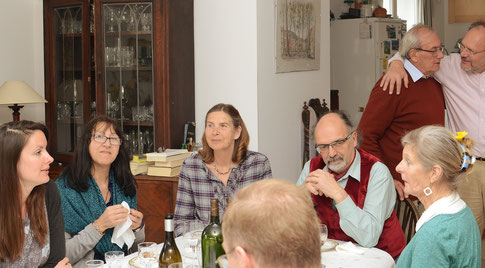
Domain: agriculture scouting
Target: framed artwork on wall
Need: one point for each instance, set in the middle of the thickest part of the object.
(297, 35)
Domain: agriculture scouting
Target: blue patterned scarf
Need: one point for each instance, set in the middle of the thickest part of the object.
(82, 208)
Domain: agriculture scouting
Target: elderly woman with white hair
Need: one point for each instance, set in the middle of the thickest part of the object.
(433, 164)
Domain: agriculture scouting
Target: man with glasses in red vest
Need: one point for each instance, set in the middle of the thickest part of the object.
(353, 192)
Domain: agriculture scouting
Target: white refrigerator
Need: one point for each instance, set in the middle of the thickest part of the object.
(360, 49)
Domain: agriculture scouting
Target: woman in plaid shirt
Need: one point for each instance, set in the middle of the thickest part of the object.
(222, 167)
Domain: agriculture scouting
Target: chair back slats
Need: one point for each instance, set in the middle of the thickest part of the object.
(305, 117)
(319, 108)
(408, 216)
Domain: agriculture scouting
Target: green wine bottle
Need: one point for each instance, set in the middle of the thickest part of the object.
(212, 239)
(170, 253)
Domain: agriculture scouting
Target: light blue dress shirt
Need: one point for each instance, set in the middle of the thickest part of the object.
(413, 71)
(364, 225)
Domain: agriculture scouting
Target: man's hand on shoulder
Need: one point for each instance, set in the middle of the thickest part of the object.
(320, 182)
(394, 75)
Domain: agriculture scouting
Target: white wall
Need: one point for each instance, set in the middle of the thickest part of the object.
(234, 63)
(226, 60)
(281, 96)
(22, 52)
(448, 32)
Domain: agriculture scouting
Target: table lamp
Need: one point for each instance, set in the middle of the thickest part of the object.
(15, 92)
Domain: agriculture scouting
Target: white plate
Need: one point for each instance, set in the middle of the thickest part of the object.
(136, 263)
(329, 245)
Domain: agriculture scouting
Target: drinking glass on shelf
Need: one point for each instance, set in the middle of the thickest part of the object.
(109, 56)
(323, 233)
(111, 20)
(141, 144)
(94, 263)
(134, 142)
(114, 258)
(147, 252)
(149, 141)
(144, 19)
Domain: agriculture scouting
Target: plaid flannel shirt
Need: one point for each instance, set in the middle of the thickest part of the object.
(197, 185)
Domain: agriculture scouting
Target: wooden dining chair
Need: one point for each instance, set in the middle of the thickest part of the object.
(408, 216)
(319, 108)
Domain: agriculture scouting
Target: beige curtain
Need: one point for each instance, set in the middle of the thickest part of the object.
(423, 11)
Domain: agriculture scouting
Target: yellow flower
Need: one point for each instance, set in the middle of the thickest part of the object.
(460, 135)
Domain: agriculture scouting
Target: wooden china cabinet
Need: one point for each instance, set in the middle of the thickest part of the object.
(130, 60)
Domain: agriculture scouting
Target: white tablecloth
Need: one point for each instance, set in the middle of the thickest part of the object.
(372, 258)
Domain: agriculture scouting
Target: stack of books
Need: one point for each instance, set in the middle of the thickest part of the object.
(139, 165)
(168, 163)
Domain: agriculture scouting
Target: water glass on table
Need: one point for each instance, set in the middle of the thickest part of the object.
(94, 263)
(114, 258)
(323, 234)
(147, 253)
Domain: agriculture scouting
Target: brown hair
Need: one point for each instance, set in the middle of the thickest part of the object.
(13, 138)
(435, 145)
(240, 145)
(292, 240)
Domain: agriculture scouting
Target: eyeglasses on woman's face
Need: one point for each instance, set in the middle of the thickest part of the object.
(116, 141)
(336, 145)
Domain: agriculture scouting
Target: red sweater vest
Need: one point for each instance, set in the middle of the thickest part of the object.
(392, 237)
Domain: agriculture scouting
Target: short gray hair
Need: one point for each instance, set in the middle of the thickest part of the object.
(411, 39)
(435, 145)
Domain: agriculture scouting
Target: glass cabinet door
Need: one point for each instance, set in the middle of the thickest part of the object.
(68, 83)
(128, 71)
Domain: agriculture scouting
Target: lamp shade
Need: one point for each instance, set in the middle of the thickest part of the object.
(19, 92)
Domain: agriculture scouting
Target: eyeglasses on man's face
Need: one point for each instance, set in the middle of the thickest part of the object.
(436, 52)
(467, 50)
(336, 145)
(102, 139)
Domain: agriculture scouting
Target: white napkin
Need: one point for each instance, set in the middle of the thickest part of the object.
(122, 233)
(349, 247)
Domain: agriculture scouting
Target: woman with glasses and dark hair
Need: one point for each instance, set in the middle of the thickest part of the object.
(92, 189)
(223, 166)
(31, 223)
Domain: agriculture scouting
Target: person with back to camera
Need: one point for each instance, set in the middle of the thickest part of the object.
(31, 222)
(92, 189)
(223, 166)
(271, 224)
(433, 164)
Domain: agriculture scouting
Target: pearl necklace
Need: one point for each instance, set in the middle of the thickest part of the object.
(221, 173)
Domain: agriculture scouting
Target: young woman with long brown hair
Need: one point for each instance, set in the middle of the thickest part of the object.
(31, 222)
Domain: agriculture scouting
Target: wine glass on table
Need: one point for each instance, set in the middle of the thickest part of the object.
(114, 258)
(192, 233)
